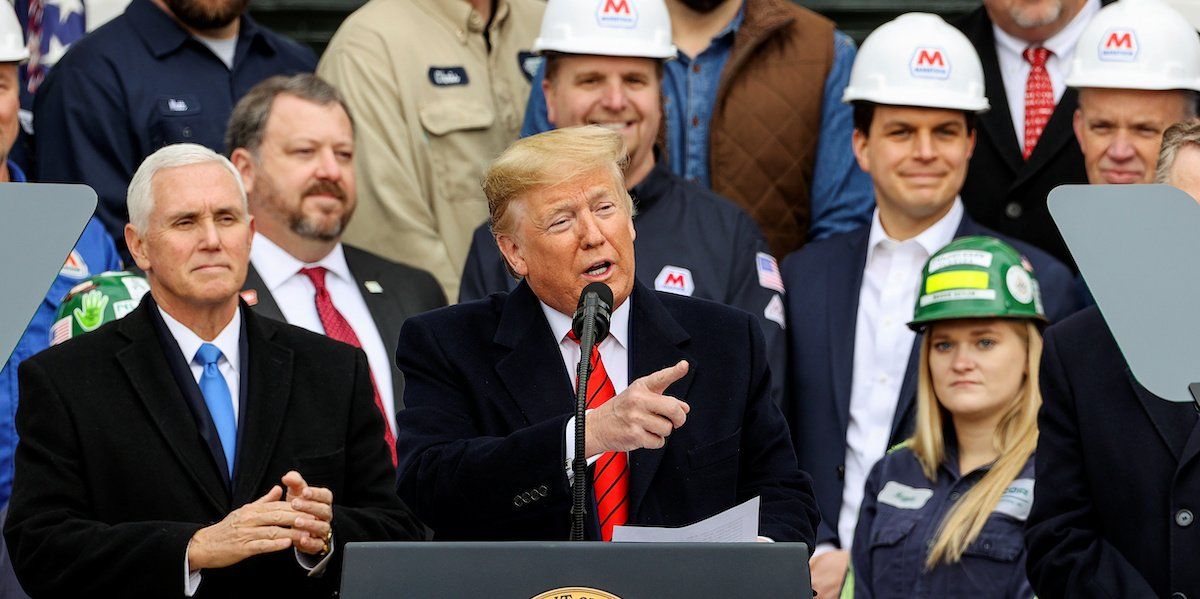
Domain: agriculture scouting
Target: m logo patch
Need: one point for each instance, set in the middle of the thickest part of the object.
(675, 279)
(929, 63)
(448, 76)
(1119, 45)
(621, 14)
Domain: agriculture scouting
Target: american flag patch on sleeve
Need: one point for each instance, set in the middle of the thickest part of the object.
(768, 271)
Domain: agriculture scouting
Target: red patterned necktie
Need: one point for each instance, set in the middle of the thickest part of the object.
(610, 483)
(337, 327)
(1039, 97)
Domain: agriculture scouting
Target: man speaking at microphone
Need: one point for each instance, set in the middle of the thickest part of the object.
(680, 423)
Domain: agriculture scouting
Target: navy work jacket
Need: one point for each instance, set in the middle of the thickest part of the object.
(900, 516)
(136, 84)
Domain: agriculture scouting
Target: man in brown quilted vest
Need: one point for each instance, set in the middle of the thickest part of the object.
(753, 111)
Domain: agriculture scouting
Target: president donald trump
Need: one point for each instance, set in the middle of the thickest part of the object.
(193, 448)
(681, 425)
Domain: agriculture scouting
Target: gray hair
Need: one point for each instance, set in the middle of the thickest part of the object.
(140, 198)
(248, 123)
(1176, 137)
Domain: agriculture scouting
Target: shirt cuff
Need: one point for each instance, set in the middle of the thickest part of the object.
(315, 564)
(191, 578)
(824, 548)
(569, 435)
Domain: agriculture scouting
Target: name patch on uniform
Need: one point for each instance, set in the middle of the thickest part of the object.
(1017, 499)
(74, 267)
(903, 496)
(448, 76)
(529, 63)
(774, 312)
(675, 279)
(621, 14)
(180, 105)
(769, 275)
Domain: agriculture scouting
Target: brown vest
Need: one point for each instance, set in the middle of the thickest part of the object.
(763, 140)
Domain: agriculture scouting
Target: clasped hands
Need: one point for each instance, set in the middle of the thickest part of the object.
(273, 522)
(640, 417)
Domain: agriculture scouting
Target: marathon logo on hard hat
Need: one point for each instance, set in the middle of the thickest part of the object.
(1119, 45)
(675, 279)
(928, 62)
(621, 14)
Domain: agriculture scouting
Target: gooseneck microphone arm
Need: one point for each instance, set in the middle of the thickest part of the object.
(590, 326)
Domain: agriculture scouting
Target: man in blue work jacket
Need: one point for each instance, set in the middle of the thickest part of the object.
(689, 240)
(93, 254)
(161, 73)
(916, 88)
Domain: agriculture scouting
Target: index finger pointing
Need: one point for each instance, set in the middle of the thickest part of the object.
(658, 382)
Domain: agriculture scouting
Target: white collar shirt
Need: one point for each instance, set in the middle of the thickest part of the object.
(1014, 69)
(296, 296)
(882, 344)
(227, 341)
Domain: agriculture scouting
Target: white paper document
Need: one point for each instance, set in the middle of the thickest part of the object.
(738, 524)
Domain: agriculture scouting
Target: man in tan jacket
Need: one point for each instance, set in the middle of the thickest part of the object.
(438, 89)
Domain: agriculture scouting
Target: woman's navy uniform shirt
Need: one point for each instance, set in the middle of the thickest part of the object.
(899, 519)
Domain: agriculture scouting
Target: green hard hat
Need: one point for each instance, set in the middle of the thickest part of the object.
(976, 277)
(103, 298)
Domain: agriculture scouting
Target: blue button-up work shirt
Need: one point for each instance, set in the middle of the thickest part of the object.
(93, 254)
(900, 516)
(842, 195)
(136, 84)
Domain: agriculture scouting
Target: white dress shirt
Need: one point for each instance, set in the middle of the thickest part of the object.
(1014, 69)
(227, 341)
(614, 352)
(296, 297)
(882, 344)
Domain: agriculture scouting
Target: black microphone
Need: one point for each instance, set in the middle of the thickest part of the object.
(590, 325)
(594, 303)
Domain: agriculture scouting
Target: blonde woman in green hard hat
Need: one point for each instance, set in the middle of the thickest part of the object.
(943, 513)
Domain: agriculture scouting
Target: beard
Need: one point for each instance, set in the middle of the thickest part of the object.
(703, 6)
(1037, 16)
(207, 14)
(302, 224)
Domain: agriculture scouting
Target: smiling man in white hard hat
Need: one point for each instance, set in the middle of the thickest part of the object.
(917, 89)
(1137, 68)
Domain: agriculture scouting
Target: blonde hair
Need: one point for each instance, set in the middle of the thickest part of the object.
(549, 159)
(1015, 438)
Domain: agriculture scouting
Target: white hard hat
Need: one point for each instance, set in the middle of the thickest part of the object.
(917, 59)
(1137, 44)
(12, 40)
(606, 28)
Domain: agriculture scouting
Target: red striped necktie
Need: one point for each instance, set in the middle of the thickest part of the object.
(610, 482)
(337, 327)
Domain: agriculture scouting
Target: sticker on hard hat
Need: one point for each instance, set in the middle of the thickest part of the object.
(929, 63)
(1118, 45)
(956, 279)
(961, 258)
(1020, 284)
(621, 14)
(954, 295)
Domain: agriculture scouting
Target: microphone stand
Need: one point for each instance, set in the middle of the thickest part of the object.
(579, 465)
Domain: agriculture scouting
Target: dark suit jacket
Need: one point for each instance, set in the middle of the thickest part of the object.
(823, 280)
(114, 472)
(1002, 190)
(407, 291)
(482, 441)
(1117, 468)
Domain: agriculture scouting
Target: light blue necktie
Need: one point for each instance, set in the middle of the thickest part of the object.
(218, 400)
